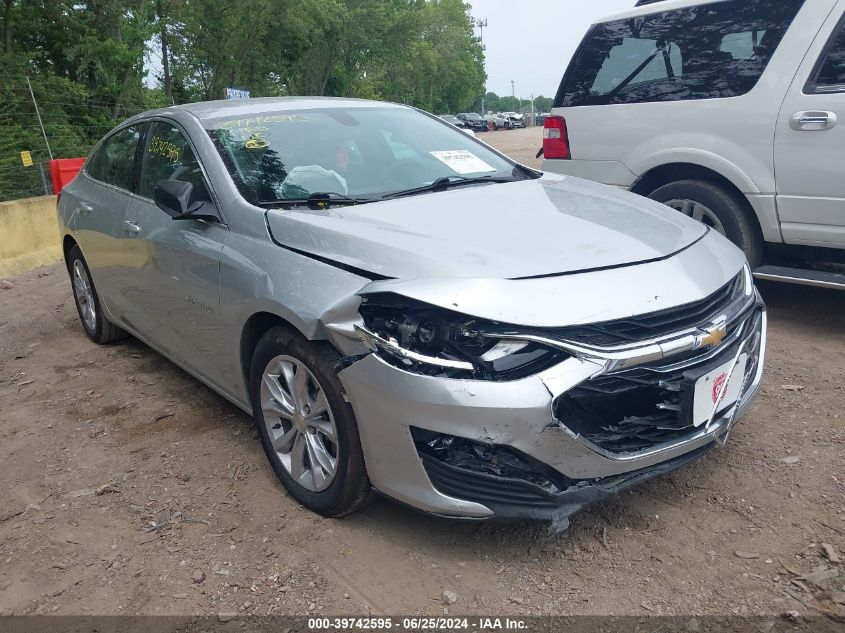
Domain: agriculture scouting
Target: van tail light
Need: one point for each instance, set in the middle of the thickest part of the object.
(556, 138)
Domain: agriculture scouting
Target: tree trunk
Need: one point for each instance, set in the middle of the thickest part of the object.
(7, 28)
(165, 56)
(127, 74)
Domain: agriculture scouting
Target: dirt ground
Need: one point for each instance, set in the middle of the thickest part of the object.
(129, 488)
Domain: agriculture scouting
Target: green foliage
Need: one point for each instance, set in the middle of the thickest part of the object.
(89, 60)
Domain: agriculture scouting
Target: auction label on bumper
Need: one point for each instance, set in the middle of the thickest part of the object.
(722, 385)
(418, 623)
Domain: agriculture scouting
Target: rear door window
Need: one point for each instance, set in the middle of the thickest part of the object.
(831, 73)
(707, 51)
(114, 160)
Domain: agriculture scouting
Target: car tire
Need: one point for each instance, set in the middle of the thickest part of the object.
(315, 454)
(717, 207)
(495, 127)
(98, 328)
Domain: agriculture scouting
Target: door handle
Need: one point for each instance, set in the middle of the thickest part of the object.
(131, 227)
(84, 208)
(813, 121)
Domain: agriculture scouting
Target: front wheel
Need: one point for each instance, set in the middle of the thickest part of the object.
(307, 428)
(718, 208)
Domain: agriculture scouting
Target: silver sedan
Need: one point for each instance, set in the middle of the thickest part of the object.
(405, 310)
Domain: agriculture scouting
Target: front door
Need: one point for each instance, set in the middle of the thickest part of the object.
(810, 144)
(175, 296)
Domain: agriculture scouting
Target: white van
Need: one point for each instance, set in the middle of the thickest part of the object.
(730, 111)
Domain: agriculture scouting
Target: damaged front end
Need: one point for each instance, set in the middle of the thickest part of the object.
(433, 341)
(514, 485)
(465, 416)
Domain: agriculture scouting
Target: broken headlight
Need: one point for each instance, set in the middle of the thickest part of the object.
(433, 341)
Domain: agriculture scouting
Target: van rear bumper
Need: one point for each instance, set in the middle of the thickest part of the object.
(608, 172)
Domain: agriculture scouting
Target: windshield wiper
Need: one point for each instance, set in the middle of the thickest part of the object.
(661, 48)
(315, 201)
(441, 184)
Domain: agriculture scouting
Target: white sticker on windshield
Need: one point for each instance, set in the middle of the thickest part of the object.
(462, 161)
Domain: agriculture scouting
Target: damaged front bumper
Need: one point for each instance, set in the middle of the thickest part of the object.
(481, 449)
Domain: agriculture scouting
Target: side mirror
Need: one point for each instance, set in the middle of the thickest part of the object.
(178, 200)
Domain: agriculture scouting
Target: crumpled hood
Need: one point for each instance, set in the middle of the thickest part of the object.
(531, 228)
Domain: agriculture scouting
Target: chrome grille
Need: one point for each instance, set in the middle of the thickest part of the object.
(654, 324)
(644, 407)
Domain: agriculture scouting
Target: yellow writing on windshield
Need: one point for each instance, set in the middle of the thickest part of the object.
(261, 120)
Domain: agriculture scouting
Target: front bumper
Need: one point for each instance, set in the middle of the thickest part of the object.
(391, 405)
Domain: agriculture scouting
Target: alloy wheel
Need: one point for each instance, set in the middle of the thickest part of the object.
(699, 212)
(300, 423)
(84, 295)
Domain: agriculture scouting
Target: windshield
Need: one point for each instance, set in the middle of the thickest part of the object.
(472, 116)
(354, 152)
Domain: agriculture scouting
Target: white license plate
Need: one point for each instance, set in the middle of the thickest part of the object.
(707, 389)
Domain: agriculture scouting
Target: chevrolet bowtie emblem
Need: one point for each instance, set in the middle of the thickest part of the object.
(714, 334)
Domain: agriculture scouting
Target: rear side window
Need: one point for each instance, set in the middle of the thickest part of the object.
(708, 51)
(114, 161)
(169, 156)
(831, 74)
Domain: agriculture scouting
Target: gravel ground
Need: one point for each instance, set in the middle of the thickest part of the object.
(128, 487)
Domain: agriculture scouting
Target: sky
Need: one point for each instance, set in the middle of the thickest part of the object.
(532, 41)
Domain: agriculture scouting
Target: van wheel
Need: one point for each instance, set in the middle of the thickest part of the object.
(307, 428)
(719, 209)
(98, 328)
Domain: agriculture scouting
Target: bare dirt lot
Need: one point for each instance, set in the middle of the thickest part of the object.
(128, 487)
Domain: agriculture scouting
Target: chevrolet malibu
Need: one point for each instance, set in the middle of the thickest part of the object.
(404, 310)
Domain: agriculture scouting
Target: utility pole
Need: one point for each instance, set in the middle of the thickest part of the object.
(38, 113)
(482, 24)
(532, 108)
(513, 97)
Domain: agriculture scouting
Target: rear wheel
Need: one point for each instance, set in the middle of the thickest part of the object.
(718, 208)
(307, 428)
(98, 328)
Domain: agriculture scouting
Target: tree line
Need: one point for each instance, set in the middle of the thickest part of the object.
(91, 63)
(495, 103)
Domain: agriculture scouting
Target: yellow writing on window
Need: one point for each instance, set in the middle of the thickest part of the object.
(165, 149)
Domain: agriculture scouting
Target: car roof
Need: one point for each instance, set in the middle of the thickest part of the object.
(225, 109)
(655, 7)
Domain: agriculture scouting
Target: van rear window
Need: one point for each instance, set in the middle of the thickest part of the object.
(708, 51)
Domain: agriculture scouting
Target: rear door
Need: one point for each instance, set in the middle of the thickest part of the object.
(810, 144)
(175, 295)
(102, 196)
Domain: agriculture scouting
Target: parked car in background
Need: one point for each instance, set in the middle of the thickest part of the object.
(512, 120)
(473, 121)
(403, 308)
(731, 112)
(451, 118)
